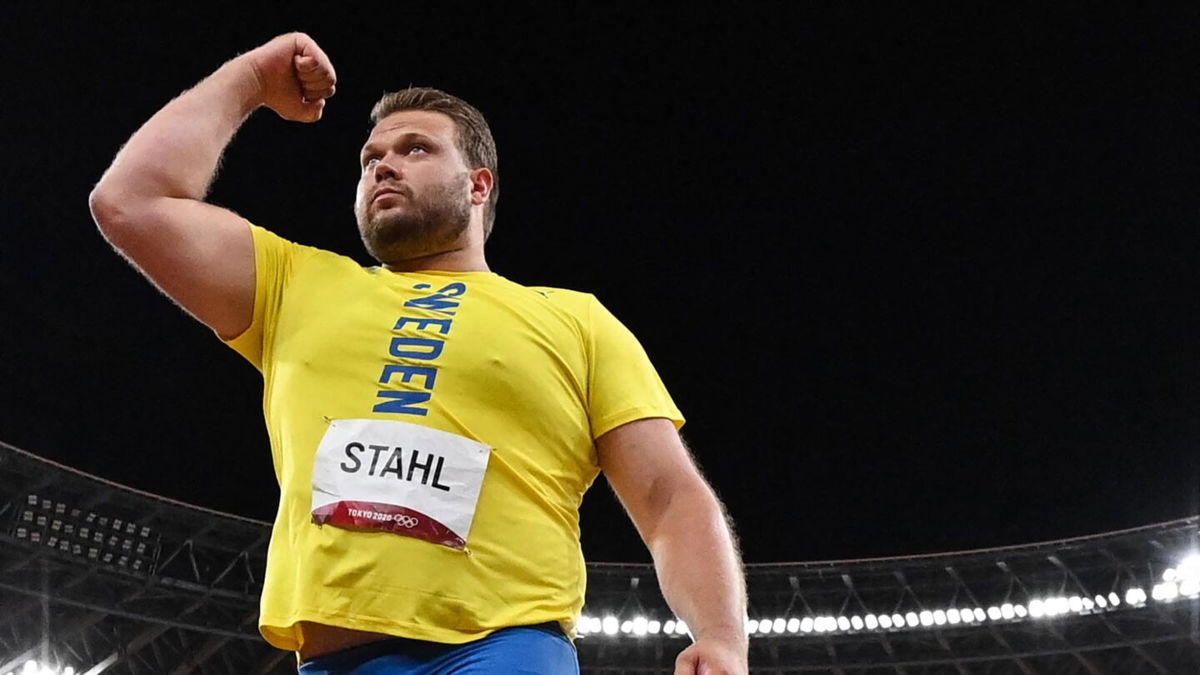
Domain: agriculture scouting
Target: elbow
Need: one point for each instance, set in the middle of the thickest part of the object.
(111, 210)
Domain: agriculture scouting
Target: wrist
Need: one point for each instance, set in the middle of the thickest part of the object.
(240, 77)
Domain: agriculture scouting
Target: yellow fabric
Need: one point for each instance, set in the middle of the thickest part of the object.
(535, 373)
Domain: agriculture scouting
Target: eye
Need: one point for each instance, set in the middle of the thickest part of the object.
(417, 147)
(369, 161)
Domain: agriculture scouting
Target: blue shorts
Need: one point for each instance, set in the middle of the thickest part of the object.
(526, 650)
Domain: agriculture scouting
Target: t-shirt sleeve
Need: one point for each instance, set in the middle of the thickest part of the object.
(622, 384)
(275, 259)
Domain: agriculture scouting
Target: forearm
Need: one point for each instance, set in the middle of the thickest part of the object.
(175, 154)
(698, 565)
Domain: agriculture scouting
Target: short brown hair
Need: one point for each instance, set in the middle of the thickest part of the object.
(473, 138)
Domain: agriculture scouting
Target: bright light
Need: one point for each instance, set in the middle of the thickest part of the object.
(1101, 601)
(793, 625)
(30, 668)
(751, 626)
(926, 618)
(1133, 596)
(1189, 587)
(778, 625)
(966, 615)
(1169, 574)
(1007, 611)
(806, 624)
(871, 622)
(911, 619)
(610, 625)
(681, 628)
(993, 613)
(1088, 605)
(952, 615)
(856, 622)
(639, 625)
(885, 621)
(897, 621)
(669, 626)
(1114, 599)
(626, 626)
(1189, 568)
(1165, 592)
(843, 623)
(68, 671)
(1020, 610)
(939, 617)
(1075, 603)
(979, 615)
(654, 627)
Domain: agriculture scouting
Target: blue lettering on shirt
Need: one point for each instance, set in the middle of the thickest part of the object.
(428, 349)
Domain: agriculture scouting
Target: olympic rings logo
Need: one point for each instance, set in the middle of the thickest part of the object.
(408, 522)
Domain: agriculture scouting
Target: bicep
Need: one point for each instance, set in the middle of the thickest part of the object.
(648, 465)
(198, 254)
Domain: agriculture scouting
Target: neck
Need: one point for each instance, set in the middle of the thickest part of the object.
(465, 259)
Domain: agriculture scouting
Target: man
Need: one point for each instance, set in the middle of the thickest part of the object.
(433, 425)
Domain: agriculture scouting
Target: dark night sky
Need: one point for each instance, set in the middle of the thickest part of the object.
(920, 281)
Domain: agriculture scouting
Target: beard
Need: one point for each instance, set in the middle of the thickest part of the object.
(426, 225)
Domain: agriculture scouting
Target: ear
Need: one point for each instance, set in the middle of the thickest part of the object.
(481, 185)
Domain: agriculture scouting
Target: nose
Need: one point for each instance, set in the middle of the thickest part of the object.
(386, 170)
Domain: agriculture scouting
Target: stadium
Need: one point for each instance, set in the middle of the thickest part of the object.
(101, 578)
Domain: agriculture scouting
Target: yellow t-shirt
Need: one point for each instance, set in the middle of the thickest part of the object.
(536, 374)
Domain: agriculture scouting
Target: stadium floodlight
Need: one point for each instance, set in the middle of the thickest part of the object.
(806, 624)
(912, 620)
(952, 617)
(751, 626)
(669, 626)
(1114, 599)
(939, 617)
(627, 626)
(926, 618)
(1189, 587)
(898, 620)
(31, 668)
(843, 623)
(1075, 603)
(639, 625)
(1019, 610)
(1007, 611)
(1169, 574)
(654, 627)
(871, 622)
(793, 625)
(610, 625)
(1088, 605)
(1133, 596)
(1037, 608)
(856, 622)
(681, 628)
(1101, 601)
(885, 621)
(993, 613)
(1189, 568)
(979, 614)
(1165, 592)
(779, 625)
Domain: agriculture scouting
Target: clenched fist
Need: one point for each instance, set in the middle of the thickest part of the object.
(294, 76)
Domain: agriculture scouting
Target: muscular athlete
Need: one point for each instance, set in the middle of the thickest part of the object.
(425, 205)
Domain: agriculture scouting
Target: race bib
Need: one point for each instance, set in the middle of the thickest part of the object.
(383, 475)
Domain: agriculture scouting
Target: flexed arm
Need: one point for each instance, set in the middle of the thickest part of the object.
(149, 203)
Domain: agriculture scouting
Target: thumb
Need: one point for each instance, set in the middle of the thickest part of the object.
(312, 110)
(686, 665)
